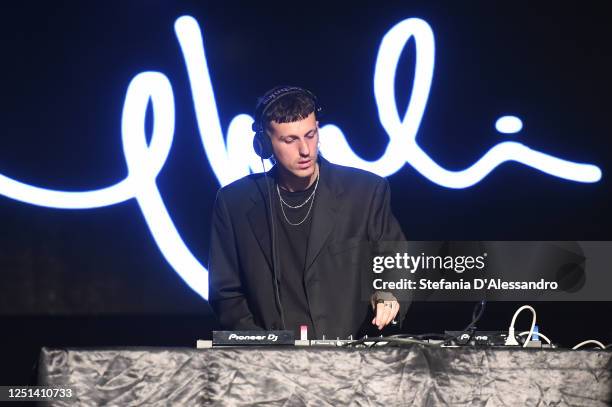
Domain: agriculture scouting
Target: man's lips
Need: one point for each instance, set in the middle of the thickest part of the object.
(304, 163)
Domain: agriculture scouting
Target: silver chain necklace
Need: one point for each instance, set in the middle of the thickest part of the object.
(300, 205)
(310, 198)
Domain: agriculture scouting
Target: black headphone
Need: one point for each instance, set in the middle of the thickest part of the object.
(261, 142)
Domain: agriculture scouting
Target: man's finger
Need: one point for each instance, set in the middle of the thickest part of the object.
(379, 310)
(382, 313)
(376, 313)
(394, 311)
(393, 308)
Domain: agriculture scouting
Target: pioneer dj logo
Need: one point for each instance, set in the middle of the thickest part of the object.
(239, 338)
(231, 157)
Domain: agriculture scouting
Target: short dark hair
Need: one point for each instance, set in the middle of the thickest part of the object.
(289, 108)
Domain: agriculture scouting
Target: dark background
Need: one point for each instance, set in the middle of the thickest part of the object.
(96, 278)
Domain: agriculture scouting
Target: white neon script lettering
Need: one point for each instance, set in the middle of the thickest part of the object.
(234, 158)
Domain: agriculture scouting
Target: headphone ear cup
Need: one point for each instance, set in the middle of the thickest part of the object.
(262, 145)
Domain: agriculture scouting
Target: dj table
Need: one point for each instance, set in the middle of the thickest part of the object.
(413, 375)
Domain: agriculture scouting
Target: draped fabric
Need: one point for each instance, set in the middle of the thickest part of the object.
(408, 376)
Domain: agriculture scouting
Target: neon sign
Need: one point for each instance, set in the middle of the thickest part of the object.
(234, 158)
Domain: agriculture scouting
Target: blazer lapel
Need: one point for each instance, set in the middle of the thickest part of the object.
(324, 217)
(259, 217)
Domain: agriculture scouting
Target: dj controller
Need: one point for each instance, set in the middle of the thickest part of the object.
(287, 338)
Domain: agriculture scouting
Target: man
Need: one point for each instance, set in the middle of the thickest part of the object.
(284, 244)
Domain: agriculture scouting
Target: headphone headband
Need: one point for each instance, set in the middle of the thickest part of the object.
(266, 101)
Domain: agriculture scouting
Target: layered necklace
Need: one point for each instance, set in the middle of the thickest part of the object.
(310, 198)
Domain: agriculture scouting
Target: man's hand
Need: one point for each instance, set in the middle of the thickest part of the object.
(385, 313)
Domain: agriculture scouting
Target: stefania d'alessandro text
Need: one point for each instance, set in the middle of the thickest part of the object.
(461, 284)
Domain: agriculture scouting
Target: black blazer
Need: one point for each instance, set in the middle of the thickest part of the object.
(351, 206)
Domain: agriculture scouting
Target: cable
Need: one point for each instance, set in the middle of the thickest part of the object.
(539, 334)
(511, 340)
(590, 341)
(274, 251)
(387, 341)
(476, 315)
(420, 336)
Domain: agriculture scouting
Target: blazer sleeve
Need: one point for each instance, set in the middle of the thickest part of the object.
(227, 296)
(383, 226)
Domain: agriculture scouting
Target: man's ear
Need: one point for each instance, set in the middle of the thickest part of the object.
(272, 157)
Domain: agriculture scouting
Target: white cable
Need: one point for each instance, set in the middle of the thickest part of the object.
(511, 340)
(594, 342)
(539, 335)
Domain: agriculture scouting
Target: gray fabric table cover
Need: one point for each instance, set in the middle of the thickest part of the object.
(409, 376)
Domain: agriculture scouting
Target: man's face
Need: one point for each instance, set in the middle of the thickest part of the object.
(295, 145)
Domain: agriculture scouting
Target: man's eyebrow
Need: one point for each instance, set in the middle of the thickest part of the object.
(306, 134)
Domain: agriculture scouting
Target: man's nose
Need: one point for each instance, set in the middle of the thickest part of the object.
(304, 149)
